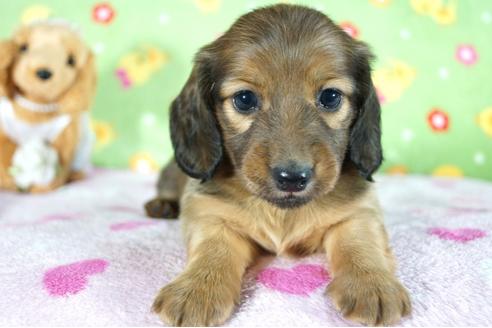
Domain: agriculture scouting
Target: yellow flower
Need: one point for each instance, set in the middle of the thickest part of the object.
(35, 12)
(397, 170)
(143, 163)
(445, 15)
(104, 133)
(208, 6)
(426, 7)
(380, 3)
(448, 171)
(139, 65)
(442, 13)
(484, 120)
(393, 80)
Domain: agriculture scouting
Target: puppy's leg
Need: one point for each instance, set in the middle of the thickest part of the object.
(206, 292)
(169, 191)
(364, 287)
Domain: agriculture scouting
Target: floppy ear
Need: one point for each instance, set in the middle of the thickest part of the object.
(365, 136)
(195, 134)
(79, 96)
(7, 55)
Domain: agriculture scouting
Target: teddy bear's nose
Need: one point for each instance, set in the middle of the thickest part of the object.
(44, 74)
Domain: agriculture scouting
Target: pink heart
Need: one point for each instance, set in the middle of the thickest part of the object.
(299, 280)
(130, 225)
(58, 217)
(461, 235)
(71, 278)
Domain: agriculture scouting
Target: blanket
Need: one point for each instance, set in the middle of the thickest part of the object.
(87, 255)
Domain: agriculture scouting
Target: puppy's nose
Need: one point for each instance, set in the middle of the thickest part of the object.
(44, 74)
(292, 179)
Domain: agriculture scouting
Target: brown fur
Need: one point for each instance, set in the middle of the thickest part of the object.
(72, 88)
(231, 208)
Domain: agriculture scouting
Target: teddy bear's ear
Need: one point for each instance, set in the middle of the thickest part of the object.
(8, 50)
(21, 34)
(79, 96)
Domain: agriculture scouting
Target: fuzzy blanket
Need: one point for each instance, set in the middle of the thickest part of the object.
(87, 255)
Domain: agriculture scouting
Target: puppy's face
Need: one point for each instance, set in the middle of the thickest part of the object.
(287, 96)
(48, 61)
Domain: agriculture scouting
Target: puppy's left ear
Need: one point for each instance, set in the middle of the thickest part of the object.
(365, 136)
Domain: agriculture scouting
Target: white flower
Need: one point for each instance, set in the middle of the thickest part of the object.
(34, 163)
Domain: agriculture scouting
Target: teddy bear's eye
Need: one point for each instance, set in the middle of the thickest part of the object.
(23, 47)
(71, 61)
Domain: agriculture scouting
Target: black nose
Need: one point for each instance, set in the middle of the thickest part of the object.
(292, 179)
(44, 74)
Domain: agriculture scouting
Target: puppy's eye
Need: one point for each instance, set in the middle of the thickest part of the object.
(71, 61)
(245, 101)
(330, 99)
(23, 47)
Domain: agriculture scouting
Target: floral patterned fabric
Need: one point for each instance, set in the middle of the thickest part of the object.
(432, 73)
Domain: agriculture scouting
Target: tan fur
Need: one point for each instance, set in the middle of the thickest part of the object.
(276, 230)
(72, 88)
(238, 121)
(232, 217)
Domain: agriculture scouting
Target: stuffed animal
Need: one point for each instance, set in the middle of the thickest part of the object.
(47, 82)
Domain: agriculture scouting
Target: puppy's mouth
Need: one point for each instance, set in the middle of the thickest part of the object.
(289, 201)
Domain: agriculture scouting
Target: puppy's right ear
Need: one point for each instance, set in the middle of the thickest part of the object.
(195, 133)
(8, 51)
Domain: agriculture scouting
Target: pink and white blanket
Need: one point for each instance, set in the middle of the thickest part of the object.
(87, 255)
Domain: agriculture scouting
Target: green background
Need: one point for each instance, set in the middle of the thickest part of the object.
(399, 31)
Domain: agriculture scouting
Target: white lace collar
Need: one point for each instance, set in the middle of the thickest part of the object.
(21, 132)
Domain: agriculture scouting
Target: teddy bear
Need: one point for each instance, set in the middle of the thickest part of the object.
(47, 83)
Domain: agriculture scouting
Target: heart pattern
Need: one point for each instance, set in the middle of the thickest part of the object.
(299, 280)
(58, 217)
(130, 225)
(72, 278)
(460, 235)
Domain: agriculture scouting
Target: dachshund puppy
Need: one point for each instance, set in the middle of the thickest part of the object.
(276, 135)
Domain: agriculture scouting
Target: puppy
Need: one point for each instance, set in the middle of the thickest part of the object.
(278, 131)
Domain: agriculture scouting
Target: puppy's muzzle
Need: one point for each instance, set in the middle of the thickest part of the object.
(293, 178)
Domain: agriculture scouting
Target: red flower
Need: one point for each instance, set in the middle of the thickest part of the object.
(466, 54)
(438, 120)
(103, 13)
(350, 29)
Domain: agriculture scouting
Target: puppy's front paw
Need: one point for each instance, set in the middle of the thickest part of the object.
(192, 302)
(162, 208)
(370, 298)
